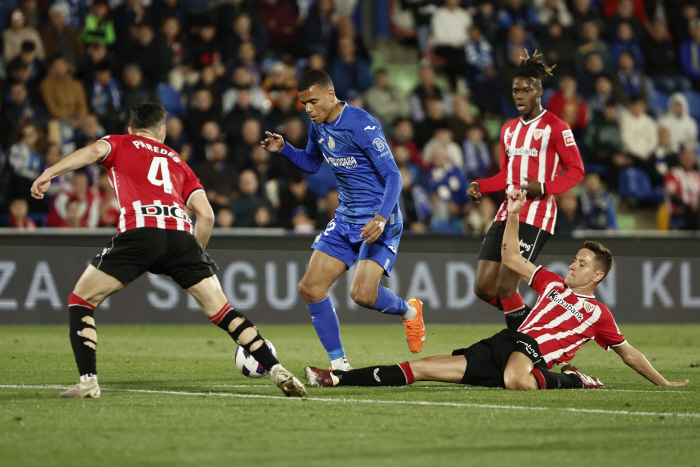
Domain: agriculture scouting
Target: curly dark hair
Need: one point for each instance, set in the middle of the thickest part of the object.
(531, 67)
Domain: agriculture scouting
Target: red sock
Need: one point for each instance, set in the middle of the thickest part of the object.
(216, 319)
(496, 302)
(73, 299)
(406, 368)
(513, 303)
(541, 384)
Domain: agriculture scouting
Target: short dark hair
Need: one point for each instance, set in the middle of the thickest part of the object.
(603, 258)
(314, 78)
(147, 115)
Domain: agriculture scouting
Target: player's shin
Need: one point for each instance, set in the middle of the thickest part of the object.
(83, 336)
(325, 321)
(394, 375)
(388, 302)
(515, 310)
(245, 334)
(547, 379)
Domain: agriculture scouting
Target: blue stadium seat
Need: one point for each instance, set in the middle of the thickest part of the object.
(170, 99)
(599, 169)
(546, 95)
(635, 183)
(658, 102)
(693, 103)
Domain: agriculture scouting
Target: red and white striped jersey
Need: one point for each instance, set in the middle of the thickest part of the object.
(151, 182)
(538, 150)
(562, 321)
(684, 185)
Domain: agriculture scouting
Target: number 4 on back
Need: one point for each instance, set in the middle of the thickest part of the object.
(162, 164)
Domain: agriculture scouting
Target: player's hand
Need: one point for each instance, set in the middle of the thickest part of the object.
(373, 229)
(474, 192)
(533, 188)
(677, 383)
(516, 201)
(273, 142)
(40, 186)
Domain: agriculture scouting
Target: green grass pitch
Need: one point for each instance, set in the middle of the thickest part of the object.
(172, 396)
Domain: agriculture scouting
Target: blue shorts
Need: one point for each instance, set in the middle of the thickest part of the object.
(342, 240)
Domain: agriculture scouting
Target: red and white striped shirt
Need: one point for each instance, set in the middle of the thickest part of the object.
(537, 149)
(562, 321)
(151, 182)
(684, 186)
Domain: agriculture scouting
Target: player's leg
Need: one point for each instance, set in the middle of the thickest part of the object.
(328, 262)
(92, 288)
(211, 299)
(489, 264)
(520, 373)
(514, 308)
(444, 368)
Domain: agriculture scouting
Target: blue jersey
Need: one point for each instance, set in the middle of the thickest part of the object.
(356, 148)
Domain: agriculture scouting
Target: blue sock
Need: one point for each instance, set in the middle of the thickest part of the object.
(389, 302)
(325, 321)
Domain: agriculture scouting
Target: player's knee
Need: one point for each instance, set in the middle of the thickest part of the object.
(506, 289)
(516, 382)
(484, 291)
(312, 293)
(364, 298)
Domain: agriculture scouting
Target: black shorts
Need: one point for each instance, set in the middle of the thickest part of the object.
(171, 252)
(532, 239)
(486, 360)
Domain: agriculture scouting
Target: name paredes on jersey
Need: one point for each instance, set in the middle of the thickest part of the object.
(528, 152)
(141, 144)
(165, 211)
(555, 297)
(344, 162)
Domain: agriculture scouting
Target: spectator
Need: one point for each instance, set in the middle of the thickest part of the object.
(629, 11)
(95, 53)
(280, 18)
(251, 135)
(597, 205)
(414, 203)
(402, 135)
(225, 218)
(483, 79)
(243, 29)
(151, 53)
(425, 130)
(241, 78)
(690, 50)
(569, 216)
(262, 217)
(18, 72)
(98, 25)
(327, 206)
(28, 55)
(628, 80)
(422, 12)
(109, 206)
(295, 195)
(553, 11)
(518, 40)
(448, 189)
(242, 111)
(666, 153)
(20, 109)
(218, 176)
(603, 141)
(280, 80)
(520, 13)
(161, 9)
(17, 33)
(583, 11)
(26, 162)
(558, 48)
(319, 28)
(640, 136)
(18, 216)
(682, 127)
(206, 51)
(624, 41)
(33, 11)
(106, 99)
(448, 30)
(60, 38)
(181, 57)
(681, 23)
(661, 57)
(594, 68)
(682, 189)
(284, 110)
(75, 206)
(462, 117)
(245, 205)
(443, 138)
(477, 157)
(208, 135)
(134, 89)
(349, 71)
(426, 89)
(346, 30)
(295, 133)
(176, 138)
(386, 100)
(208, 81)
(567, 105)
(245, 57)
(486, 18)
(592, 43)
(63, 95)
(604, 92)
(269, 169)
(202, 110)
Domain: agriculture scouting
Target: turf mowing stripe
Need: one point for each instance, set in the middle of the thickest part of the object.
(375, 401)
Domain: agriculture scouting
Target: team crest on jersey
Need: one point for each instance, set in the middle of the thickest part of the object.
(589, 307)
(538, 134)
(331, 143)
(378, 144)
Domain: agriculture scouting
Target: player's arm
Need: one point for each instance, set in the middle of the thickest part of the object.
(309, 160)
(199, 203)
(393, 183)
(491, 184)
(571, 159)
(80, 158)
(635, 359)
(510, 248)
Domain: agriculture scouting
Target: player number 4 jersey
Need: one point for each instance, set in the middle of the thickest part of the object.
(151, 182)
(562, 321)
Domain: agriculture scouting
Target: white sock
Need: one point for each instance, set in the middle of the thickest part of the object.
(340, 364)
(410, 313)
(274, 368)
(86, 378)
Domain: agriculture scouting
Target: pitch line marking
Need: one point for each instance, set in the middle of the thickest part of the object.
(376, 401)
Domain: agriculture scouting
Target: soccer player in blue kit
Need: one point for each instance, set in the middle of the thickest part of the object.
(367, 225)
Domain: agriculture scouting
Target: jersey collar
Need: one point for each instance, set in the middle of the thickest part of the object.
(337, 119)
(536, 119)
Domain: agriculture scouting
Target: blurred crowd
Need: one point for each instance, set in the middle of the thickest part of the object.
(627, 81)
